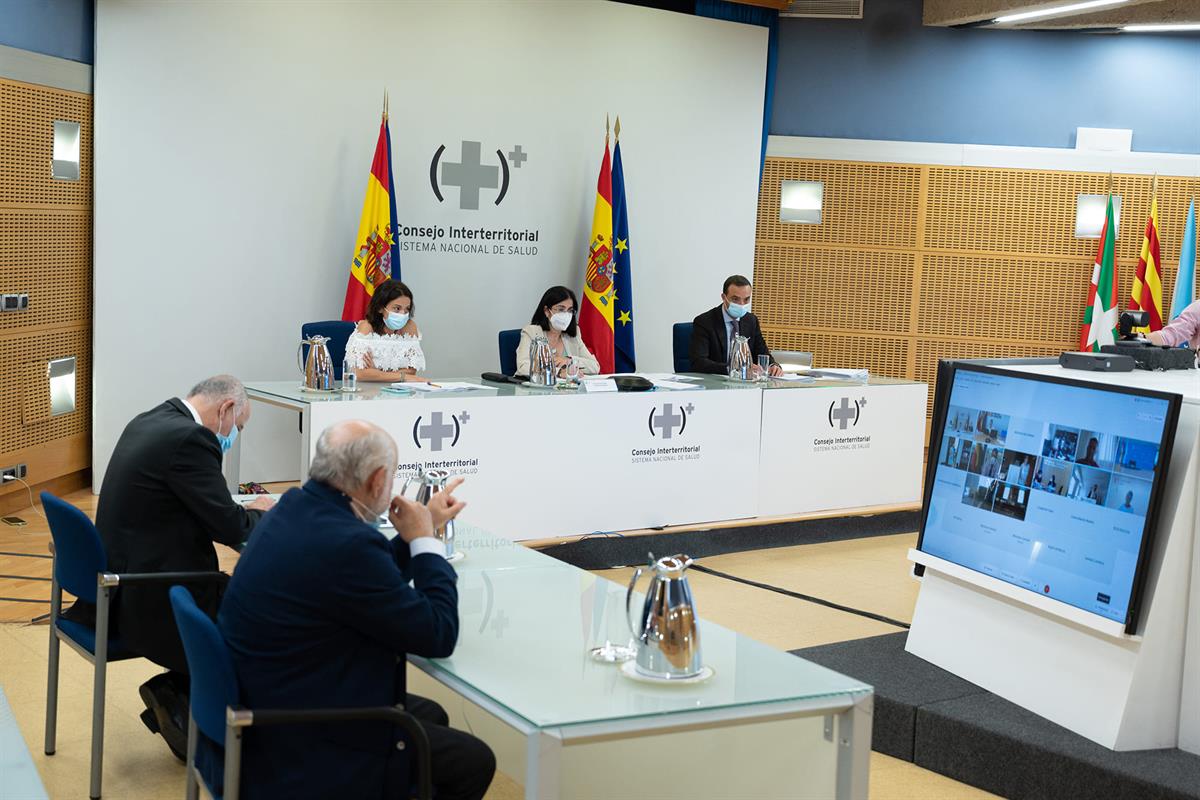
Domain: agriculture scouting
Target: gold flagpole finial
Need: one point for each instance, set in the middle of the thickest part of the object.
(1154, 186)
(606, 128)
(617, 128)
(385, 103)
(1110, 182)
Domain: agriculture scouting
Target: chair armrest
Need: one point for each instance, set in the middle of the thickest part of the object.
(117, 579)
(393, 714)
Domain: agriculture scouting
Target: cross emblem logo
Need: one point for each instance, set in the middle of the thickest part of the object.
(843, 415)
(470, 175)
(438, 430)
(664, 423)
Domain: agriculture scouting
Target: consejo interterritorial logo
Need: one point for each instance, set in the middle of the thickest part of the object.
(471, 175)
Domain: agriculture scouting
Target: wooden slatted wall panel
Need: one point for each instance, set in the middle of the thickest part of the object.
(45, 252)
(913, 263)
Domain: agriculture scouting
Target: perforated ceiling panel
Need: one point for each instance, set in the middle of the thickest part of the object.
(27, 116)
(863, 204)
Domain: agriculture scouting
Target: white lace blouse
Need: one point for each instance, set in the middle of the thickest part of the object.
(390, 352)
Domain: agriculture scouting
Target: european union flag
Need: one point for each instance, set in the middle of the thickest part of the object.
(624, 360)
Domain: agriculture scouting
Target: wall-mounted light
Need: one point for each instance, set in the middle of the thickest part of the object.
(65, 163)
(61, 374)
(1070, 8)
(1164, 28)
(800, 201)
(1090, 211)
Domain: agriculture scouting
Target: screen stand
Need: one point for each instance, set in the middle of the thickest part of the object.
(1123, 692)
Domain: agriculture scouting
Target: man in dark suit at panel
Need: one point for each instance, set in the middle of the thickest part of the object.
(713, 330)
(321, 613)
(163, 504)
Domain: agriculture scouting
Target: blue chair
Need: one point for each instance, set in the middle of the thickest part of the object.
(217, 714)
(681, 342)
(337, 331)
(81, 567)
(508, 341)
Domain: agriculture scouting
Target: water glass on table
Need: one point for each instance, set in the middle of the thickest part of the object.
(764, 367)
(349, 375)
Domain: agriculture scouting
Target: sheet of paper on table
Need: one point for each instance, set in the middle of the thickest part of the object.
(447, 386)
(598, 385)
(660, 383)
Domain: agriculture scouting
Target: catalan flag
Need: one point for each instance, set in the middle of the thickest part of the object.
(596, 314)
(376, 252)
(1147, 282)
(1100, 316)
(624, 358)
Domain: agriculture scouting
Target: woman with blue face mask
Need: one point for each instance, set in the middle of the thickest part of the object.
(386, 346)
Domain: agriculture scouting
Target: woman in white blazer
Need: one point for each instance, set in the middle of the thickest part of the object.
(556, 318)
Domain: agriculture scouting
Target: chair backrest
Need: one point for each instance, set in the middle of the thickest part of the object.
(508, 341)
(78, 551)
(214, 683)
(338, 332)
(681, 342)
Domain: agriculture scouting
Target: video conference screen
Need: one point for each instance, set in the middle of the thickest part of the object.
(1049, 485)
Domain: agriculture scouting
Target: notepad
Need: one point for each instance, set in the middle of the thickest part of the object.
(599, 385)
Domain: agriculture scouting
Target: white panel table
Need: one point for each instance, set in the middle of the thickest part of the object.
(544, 463)
(766, 725)
(828, 446)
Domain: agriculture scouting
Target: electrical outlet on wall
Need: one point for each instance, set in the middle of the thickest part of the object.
(15, 471)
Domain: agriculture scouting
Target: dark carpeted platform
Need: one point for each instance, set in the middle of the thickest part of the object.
(603, 552)
(899, 692)
(945, 724)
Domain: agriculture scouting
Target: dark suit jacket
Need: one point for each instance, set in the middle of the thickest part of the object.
(162, 505)
(710, 343)
(320, 614)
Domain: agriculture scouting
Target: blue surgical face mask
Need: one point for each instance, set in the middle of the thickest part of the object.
(226, 441)
(738, 311)
(395, 321)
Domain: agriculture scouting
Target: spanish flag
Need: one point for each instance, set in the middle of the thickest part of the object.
(1147, 282)
(376, 252)
(596, 313)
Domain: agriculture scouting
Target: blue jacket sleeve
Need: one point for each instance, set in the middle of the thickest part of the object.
(372, 595)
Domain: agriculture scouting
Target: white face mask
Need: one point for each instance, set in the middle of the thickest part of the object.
(562, 320)
(369, 515)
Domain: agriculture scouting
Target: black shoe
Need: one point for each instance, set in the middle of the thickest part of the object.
(162, 701)
(149, 720)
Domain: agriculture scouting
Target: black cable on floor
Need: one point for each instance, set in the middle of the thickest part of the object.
(807, 597)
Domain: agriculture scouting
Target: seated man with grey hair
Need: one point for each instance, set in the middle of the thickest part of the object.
(321, 612)
(163, 504)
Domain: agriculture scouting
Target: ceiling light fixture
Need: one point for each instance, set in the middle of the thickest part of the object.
(1056, 11)
(1181, 26)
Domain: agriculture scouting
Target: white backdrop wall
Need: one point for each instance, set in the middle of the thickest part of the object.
(233, 142)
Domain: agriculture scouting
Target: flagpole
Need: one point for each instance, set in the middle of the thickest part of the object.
(617, 128)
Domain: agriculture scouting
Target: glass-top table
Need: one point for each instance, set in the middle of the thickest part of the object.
(527, 625)
(291, 392)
